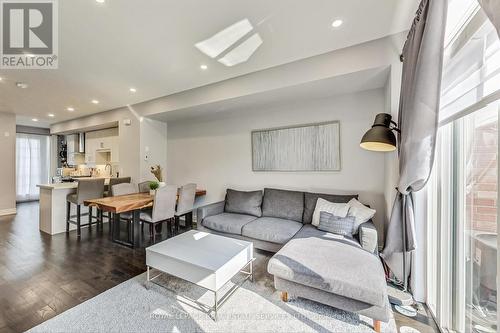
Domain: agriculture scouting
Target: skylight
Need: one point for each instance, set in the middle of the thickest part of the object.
(224, 44)
(222, 40)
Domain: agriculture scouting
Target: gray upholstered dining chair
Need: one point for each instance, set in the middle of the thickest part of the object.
(123, 189)
(185, 206)
(86, 189)
(163, 209)
(144, 186)
(113, 182)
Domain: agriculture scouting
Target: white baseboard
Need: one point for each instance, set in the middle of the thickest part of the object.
(9, 211)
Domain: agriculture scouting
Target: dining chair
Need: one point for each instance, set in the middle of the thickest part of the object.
(185, 206)
(123, 189)
(86, 189)
(144, 186)
(163, 209)
(115, 181)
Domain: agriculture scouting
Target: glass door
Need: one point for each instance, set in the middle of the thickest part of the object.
(476, 224)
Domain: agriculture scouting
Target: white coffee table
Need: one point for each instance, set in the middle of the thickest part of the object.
(204, 259)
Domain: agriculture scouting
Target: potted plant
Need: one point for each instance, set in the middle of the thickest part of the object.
(153, 186)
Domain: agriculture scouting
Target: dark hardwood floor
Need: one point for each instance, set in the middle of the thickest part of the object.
(42, 275)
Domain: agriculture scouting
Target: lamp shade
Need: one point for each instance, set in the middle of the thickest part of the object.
(381, 136)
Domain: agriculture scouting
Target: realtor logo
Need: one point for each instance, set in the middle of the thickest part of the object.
(29, 34)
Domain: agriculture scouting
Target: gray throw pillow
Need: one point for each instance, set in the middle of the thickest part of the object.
(283, 204)
(241, 202)
(335, 224)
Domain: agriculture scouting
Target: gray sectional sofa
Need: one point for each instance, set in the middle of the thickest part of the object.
(339, 271)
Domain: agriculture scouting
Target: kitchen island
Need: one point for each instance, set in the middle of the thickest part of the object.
(53, 207)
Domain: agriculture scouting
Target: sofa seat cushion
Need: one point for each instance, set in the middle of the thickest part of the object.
(331, 263)
(227, 222)
(283, 204)
(271, 229)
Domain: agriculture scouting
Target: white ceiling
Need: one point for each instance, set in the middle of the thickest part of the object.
(104, 49)
(369, 79)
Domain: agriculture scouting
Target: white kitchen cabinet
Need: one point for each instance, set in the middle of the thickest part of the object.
(101, 146)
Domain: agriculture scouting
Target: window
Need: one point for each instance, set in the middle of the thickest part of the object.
(463, 189)
(32, 165)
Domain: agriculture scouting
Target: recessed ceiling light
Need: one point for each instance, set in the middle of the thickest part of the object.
(51, 115)
(95, 101)
(21, 85)
(1, 78)
(204, 67)
(70, 109)
(99, 1)
(133, 90)
(34, 119)
(337, 23)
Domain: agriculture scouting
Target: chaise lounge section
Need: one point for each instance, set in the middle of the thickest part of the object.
(339, 271)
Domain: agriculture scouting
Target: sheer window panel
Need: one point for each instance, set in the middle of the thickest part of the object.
(32, 165)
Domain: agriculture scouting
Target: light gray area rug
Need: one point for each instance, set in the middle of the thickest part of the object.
(137, 306)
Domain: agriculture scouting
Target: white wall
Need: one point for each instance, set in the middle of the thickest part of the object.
(215, 151)
(8, 163)
(153, 147)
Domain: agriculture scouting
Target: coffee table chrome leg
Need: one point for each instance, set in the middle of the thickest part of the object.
(148, 273)
(215, 305)
(251, 270)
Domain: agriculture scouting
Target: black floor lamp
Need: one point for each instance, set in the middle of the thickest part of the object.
(381, 138)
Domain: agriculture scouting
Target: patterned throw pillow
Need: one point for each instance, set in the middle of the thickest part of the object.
(335, 224)
(322, 205)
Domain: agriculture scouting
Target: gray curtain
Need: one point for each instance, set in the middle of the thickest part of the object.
(492, 10)
(418, 121)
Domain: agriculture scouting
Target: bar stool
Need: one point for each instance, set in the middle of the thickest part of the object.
(87, 189)
(163, 209)
(185, 205)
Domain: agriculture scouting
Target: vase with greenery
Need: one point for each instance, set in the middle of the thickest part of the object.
(153, 186)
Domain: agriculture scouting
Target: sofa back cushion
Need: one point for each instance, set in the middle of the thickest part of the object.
(311, 198)
(283, 204)
(240, 202)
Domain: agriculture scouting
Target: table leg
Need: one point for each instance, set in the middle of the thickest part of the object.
(100, 221)
(116, 226)
(251, 271)
(189, 221)
(136, 229)
(215, 305)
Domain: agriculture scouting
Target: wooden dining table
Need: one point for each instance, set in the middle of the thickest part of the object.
(132, 203)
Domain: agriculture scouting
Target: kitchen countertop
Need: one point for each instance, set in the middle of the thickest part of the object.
(64, 186)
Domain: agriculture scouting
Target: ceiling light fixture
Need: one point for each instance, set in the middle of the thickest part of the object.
(133, 90)
(95, 101)
(34, 119)
(51, 115)
(1, 78)
(337, 23)
(204, 67)
(99, 1)
(21, 85)
(70, 109)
